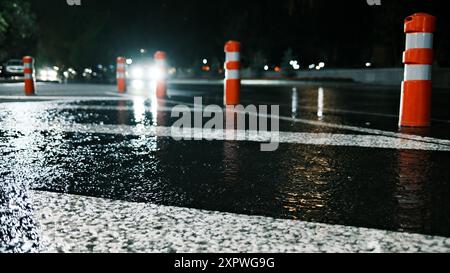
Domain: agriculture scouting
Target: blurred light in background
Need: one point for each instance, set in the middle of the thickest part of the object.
(137, 84)
(156, 73)
(48, 74)
(137, 73)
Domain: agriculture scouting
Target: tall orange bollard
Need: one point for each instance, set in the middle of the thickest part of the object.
(415, 105)
(160, 74)
(232, 73)
(28, 65)
(121, 75)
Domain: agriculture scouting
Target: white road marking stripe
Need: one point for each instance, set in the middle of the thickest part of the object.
(352, 128)
(62, 98)
(303, 121)
(87, 218)
(367, 141)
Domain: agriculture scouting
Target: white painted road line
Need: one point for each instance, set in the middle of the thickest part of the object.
(351, 128)
(62, 98)
(436, 144)
(297, 120)
(367, 141)
(70, 223)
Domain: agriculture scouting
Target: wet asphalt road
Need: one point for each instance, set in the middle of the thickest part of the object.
(57, 142)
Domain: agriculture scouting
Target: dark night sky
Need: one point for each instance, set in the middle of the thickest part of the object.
(343, 33)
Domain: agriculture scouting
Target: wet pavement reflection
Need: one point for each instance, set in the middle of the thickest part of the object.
(402, 190)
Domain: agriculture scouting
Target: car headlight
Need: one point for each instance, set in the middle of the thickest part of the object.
(137, 73)
(157, 73)
(43, 73)
(53, 74)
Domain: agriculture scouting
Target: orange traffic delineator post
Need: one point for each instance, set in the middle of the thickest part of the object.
(28, 65)
(415, 105)
(160, 63)
(121, 74)
(232, 73)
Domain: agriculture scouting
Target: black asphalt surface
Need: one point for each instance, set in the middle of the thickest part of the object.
(392, 189)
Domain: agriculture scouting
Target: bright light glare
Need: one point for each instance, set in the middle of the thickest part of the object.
(129, 61)
(43, 73)
(138, 84)
(205, 61)
(321, 64)
(311, 66)
(156, 73)
(137, 73)
(266, 67)
(48, 74)
(368, 64)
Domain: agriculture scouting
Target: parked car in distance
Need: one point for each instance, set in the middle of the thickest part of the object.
(13, 68)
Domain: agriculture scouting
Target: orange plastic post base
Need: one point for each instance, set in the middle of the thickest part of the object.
(161, 89)
(29, 87)
(415, 108)
(232, 92)
(121, 85)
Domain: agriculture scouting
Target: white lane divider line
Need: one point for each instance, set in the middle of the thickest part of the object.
(290, 119)
(326, 139)
(353, 128)
(224, 232)
(61, 98)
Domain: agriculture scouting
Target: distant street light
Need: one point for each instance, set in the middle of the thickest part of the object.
(205, 61)
(266, 68)
(142, 51)
(129, 61)
(368, 64)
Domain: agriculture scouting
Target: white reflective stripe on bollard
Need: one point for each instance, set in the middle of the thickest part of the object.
(417, 72)
(233, 56)
(28, 76)
(160, 62)
(232, 74)
(120, 75)
(27, 65)
(121, 66)
(419, 40)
